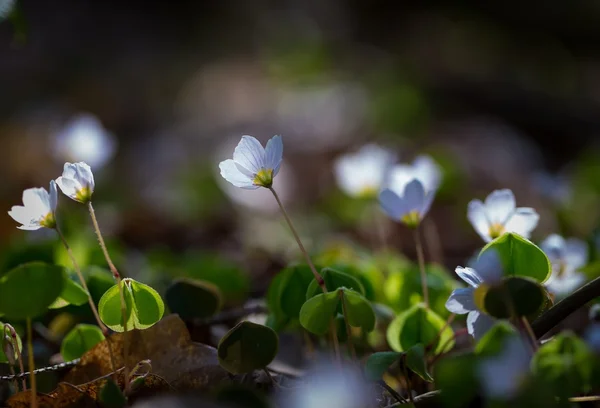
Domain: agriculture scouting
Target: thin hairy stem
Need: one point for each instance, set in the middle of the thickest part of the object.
(117, 277)
(348, 329)
(316, 274)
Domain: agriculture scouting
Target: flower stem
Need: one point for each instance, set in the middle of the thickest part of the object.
(421, 260)
(33, 391)
(15, 344)
(530, 334)
(117, 277)
(316, 274)
(90, 300)
(348, 329)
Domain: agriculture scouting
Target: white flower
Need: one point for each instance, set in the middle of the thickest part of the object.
(411, 190)
(423, 168)
(253, 166)
(6, 7)
(362, 174)
(77, 182)
(567, 257)
(502, 375)
(499, 215)
(85, 139)
(38, 209)
(487, 269)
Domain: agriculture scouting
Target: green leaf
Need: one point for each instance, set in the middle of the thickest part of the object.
(359, 311)
(514, 295)
(72, 294)
(416, 361)
(340, 327)
(520, 257)
(333, 280)
(494, 339)
(111, 396)
(456, 376)
(317, 312)
(419, 325)
(566, 364)
(27, 290)
(287, 291)
(193, 299)
(3, 358)
(143, 306)
(79, 340)
(246, 347)
(378, 363)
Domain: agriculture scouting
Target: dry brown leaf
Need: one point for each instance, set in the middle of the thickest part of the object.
(173, 356)
(177, 363)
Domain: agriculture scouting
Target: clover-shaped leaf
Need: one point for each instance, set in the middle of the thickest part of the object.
(79, 340)
(334, 279)
(28, 290)
(246, 347)
(143, 306)
(514, 296)
(193, 299)
(287, 292)
(419, 325)
(73, 294)
(520, 257)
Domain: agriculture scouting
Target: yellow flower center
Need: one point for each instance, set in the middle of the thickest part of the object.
(367, 192)
(411, 219)
(84, 195)
(48, 221)
(264, 178)
(496, 229)
(479, 296)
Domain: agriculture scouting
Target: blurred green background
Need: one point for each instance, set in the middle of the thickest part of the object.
(502, 95)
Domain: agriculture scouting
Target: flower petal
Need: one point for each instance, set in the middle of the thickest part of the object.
(554, 246)
(461, 301)
(20, 214)
(67, 186)
(523, 221)
(363, 171)
(414, 195)
(250, 154)
(53, 195)
(84, 175)
(37, 202)
(489, 266)
(477, 217)
(469, 275)
(392, 204)
(562, 286)
(502, 375)
(231, 173)
(478, 324)
(428, 172)
(499, 205)
(576, 253)
(274, 154)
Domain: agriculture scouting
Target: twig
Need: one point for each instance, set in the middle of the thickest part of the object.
(418, 398)
(56, 367)
(392, 392)
(564, 308)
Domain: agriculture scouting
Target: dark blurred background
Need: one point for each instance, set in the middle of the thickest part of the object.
(501, 94)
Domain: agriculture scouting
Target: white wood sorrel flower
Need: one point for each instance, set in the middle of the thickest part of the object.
(363, 173)
(487, 270)
(567, 257)
(77, 182)
(253, 166)
(410, 191)
(37, 210)
(499, 215)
